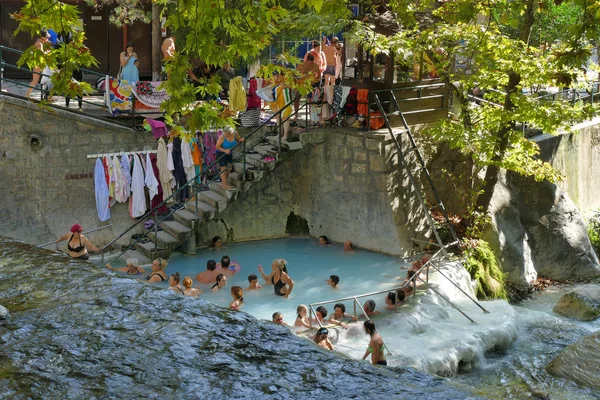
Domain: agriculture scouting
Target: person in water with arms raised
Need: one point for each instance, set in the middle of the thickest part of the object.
(282, 283)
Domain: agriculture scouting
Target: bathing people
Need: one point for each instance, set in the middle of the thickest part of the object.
(43, 44)
(394, 299)
(221, 281)
(322, 340)
(302, 320)
(348, 246)
(129, 62)
(188, 290)
(323, 240)
(321, 314)
(253, 280)
(339, 313)
(217, 243)
(226, 142)
(227, 267)
(330, 50)
(376, 345)
(132, 267)
(278, 319)
(318, 56)
(333, 281)
(282, 283)
(174, 285)
(158, 271)
(209, 275)
(78, 244)
(238, 298)
(369, 308)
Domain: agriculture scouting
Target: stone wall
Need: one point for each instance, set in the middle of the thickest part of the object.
(577, 157)
(46, 177)
(343, 182)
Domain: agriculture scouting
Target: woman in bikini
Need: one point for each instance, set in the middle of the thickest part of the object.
(221, 281)
(282, 283)
(158, 271)
(78, 244)
(376, 345)
(174, 280)
(238, 298)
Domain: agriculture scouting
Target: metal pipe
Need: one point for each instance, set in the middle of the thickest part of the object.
(462, 291)
(244, 161)
(452, 304)
(83, 233)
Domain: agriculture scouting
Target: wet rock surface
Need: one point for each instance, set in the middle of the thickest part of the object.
(582, 303)
(77, 331)
(579, 362)
(4, 314)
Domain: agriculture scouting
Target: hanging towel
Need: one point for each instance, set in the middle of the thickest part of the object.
(237, 95)
(137, 202)
(164, 174)
(151, 182)
(337, 99)
(170, 163)
(345, 94)
(179, 172)
(328, 91)
(159, 129)
(188, 161)
(266, 93)
(363, 101)
(126, 169)
(196, 153)
(159, 197)
(121, 188)
(253, 99)
(351, 106)
(282, 97)
(101, 191)
(112, 180)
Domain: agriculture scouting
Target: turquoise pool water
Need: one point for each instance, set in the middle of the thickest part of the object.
(309, 266)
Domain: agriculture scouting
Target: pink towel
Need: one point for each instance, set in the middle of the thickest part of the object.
(158, 128)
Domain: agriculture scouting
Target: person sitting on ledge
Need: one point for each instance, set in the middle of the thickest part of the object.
(132, 267)
(78, 244)
(253, 280)
(221, 281)
(208, 276)
(333, 281)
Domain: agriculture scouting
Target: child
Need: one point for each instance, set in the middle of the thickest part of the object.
(238, 298)
(253, 280)
(333, 281)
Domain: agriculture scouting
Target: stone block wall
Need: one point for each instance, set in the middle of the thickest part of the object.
(343, 182)
(46, 179)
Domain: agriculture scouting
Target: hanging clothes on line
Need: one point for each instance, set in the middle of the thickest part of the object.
(160, 195)
(164, 174)
(137, 202)
(188, 161)
(101, 191)
(121, 188)
(179, 172)
(237, 95)
(126, 170)
(151, 182)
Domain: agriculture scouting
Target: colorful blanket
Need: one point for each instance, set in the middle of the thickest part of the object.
(119, 95)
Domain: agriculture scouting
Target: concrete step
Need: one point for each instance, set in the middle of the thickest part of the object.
(142, 259)
(205, 210)
(234, 180)
(267, 150)
(176, 229)
(285, 146)
(186, 217)
(148, 250)
(254, 160)
(213, 199)
(164, 239)
(227, 193)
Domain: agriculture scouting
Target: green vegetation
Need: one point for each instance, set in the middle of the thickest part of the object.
(593, 228)
(482, 264)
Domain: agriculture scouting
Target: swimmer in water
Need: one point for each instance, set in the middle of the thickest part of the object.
(348, 246)
(208, 276)
(339, 313)
(322, 340)
(158, 271)
(217, 243)
(238, 298)
(174, 280)
(394, 299)
(333, 281)
(302, 320)
(282, 283)
(278, 319)
(323, 240)
(188, 289)
(253, 280)
(376, 345)
(221, 281)
(132, 267)
(369, 308)
(77, 243)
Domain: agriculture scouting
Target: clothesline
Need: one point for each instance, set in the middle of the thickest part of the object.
(128, 153)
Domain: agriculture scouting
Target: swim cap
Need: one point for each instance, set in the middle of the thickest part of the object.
(76, 228)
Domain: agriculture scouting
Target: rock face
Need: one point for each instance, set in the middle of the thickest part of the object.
(4, 314)
(580, 362)
(582, 303)
(537, 229)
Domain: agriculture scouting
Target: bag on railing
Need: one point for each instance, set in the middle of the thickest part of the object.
(376, 121)
(250, 117)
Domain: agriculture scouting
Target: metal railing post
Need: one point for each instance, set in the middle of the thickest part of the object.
(132, 110)
(1, 68)
(196, 197)
(244, 161)
(155, 235)
(280, 128)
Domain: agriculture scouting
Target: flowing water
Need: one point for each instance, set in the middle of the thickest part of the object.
(79, 332)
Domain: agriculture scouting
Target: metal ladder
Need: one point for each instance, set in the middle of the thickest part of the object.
(422, 168)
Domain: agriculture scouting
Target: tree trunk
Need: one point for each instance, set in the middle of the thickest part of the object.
(514, 79)
(156, 43)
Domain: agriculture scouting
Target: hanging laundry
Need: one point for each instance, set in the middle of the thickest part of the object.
(121, 188)
(253, 99)
(188, 161)
(210, 148)
(137, 202)
(164, 174)
(179, 172)
(237, 95)
(282, 97)
(159, 195)
(337, 99)
(101, 191)
(112, 180)
(150, 181)
(126, 169)
(351, 107)
(159, 129)
(345, 94)
(363, 101)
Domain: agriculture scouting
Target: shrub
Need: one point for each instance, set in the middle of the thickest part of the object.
(593, 228)
(482, 265)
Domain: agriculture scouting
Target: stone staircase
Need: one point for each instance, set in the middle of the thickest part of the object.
(180, 232)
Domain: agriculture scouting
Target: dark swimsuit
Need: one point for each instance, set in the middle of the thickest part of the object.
(78, 249)
(153, 274)
(277, 286)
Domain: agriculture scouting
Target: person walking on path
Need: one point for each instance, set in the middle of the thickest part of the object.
(43, 44)
(225, 144)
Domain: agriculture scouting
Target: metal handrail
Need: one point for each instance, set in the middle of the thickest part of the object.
(199, 175)
(83, 233)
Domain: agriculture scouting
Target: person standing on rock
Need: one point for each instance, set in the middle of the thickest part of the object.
(78, 244)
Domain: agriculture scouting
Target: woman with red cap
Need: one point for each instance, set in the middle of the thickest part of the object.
(77, 243)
